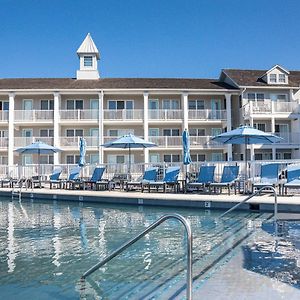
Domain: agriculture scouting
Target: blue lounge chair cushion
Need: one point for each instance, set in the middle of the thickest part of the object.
(269, 173)
(293, 173)
(74, 173)
(230, 174)
(171, 175)
(97, 174)
(55, 174)
(206, 174)
(150, 174)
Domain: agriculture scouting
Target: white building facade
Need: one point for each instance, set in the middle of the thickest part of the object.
(59, 111)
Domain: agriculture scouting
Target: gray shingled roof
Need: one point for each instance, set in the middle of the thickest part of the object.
(111, 83)
(252, 77)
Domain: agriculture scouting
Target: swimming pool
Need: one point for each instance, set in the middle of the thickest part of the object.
(45, 247)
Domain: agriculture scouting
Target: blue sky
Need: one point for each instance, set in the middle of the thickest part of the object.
(148, 38)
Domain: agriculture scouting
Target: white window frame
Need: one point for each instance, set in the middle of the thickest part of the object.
(273, 78)
(75, 101)
(27, 101)
(50, 104)
(120, 100)
(74, 132)
(48, 132)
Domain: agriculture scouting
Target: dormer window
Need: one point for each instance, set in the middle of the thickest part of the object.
(88, 61)
(281, 78)
(273, 78)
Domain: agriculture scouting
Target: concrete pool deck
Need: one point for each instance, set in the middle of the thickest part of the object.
(265, 202)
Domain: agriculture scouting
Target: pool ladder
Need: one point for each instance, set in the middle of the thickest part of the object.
(17, 190)
(268, 187)
(118, 251)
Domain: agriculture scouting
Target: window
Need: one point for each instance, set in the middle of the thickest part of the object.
(94, 159)
(196, 104)
(153, 132)
(170, 104)
(260, 126)
(47, 104)
(46, 132)
(273, 78)
(3, 133)
(119, 132)
(281, 78)
(46, 159)
(4, 105)
(74, 132)
(88, 61)
(260, 97)
(281, 98)
(251, 96)
(256, 96)
(171, 132)
(72, 159)
(74, 104)
(153, 104)
(197, 131)
(171, 158)
(198, 157)
(120, 104)
(154, 158)
(216, 156)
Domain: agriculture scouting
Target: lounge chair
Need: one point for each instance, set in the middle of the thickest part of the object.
(61, 183)
(205, 178)
(93, 182)
(228, 179)
(269, 176)
(54, 178)
(170, 180)
(150, 175)
(293, 177)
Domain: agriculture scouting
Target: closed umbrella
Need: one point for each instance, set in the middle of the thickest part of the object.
(129, 141)
(38, 148)
(186, 150)
(246, 135)
(82, 152)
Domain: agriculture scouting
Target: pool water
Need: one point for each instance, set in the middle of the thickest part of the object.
(45, 247)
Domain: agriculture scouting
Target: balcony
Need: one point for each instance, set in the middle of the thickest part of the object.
(176, 142)
(165, 114)
(123, 114)
(73, 141)
(24, 141)
(34, 115)
(269, 107)
(79, 115)
(3, 116)
(207, 114)
(289, 138)
(3, 142)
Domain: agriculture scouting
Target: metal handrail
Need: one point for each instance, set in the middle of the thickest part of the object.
(253, 195)
(188, 230)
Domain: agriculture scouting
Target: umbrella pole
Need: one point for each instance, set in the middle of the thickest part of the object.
(129, 164)
(246, 168)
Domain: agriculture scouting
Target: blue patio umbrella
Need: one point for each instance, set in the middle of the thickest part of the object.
(38, 148)
(129, 141)
(82, 152)
(246, 135)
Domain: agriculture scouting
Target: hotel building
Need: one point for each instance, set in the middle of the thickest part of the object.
(59, 111)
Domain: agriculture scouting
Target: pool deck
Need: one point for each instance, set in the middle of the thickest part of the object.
(265, 202)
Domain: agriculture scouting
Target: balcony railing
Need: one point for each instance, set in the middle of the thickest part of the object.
(176, 141)
(24, 141)
(207, 114)
(33, 115)
(79, 114)
(290, 138)
(3, 142)
(73, 141)
(4, 116)
(268, 107)
(165, 114)
(123, 114)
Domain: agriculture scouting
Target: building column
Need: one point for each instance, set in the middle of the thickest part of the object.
(101, 129)
(146, 125)
(56, 120)
(11, 126)
(229, 123)
(185, 109)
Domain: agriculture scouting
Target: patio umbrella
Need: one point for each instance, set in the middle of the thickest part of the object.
(186, 150)
(246, 135)
(38, 148)
(82, 152)
(129, 141)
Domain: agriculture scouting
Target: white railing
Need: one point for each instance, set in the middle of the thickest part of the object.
(33, 115)
(165, 114)
(73, 141)
(79, 114)
(4, 116)
(166, 141)
(207, 114)
(284, 107)
(291, 138)
(204, 142)
(123, 114)
(3, 142)
(24, 141)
